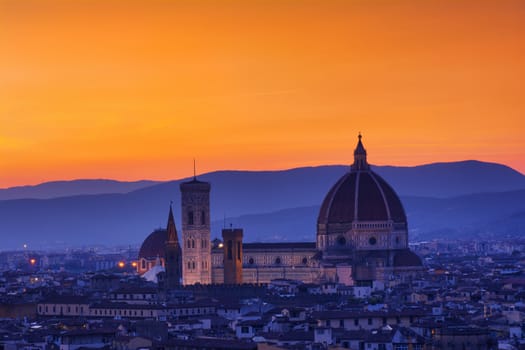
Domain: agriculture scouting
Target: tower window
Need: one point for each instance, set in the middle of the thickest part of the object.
(193, 264)
(239, 251)
(251, 261)
(189, 243)
(305, 261)
(341, 240)
(193, 243)
(189, 265)
(277, 261)
(203, 218)
(372, 240)
(190, 217)
(230, 250)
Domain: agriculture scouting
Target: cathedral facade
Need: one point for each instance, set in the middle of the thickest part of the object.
(362, 238)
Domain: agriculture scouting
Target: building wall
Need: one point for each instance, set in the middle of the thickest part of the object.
(266, 263)
(57, 309)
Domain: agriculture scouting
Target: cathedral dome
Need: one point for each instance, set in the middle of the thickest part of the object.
(154, 245)
(361, 195)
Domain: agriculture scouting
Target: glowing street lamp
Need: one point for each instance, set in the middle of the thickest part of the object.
(121, 264)
(32, 261)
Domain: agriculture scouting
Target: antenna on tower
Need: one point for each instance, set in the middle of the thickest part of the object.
(194, 171)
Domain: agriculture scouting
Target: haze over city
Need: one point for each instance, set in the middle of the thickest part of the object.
(133, 90)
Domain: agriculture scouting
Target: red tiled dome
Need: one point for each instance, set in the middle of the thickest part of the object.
(361, 195)
(154, 245)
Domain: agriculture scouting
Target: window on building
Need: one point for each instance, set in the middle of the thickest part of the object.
(341, 323)
(189, 243)
(305, 261)
(356, 322)
(369, 321)
(193, 264)
(251, 261)
(400, 346)
(381, 347)
(189, 265)
(193, 243)
(327, 323)
(277, 261)
(203, 218)
(190, 217)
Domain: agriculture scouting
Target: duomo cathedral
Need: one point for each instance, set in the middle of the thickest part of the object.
(362, 239)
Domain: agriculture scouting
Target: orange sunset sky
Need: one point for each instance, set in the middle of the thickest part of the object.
(136, 89)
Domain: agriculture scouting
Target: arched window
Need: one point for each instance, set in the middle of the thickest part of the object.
(193, 243)
(189, 265)
(190, 217)
(203, 218)
(193, 264)
(189, 243)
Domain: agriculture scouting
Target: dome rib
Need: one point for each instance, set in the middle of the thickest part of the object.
(387, 207)
(356, 195)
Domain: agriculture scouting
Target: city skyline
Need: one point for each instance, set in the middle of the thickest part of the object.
(136, 90)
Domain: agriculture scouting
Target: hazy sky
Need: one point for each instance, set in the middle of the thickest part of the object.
(136, 89)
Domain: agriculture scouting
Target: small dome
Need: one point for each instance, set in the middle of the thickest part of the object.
(154, 245)
(407, 258)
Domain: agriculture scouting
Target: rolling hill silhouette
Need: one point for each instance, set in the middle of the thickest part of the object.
(468, 198)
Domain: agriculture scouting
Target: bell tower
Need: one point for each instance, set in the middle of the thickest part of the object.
(196, 250)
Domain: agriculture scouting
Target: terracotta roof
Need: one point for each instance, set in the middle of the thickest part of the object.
(154, 245)
(363, 196)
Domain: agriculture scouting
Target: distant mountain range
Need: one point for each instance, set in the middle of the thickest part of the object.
(470, 199)
(56, 189)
